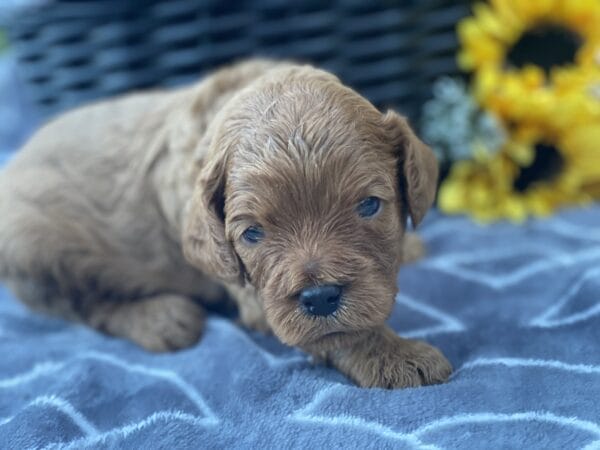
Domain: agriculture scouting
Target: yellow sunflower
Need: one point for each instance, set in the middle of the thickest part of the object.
(519, 50)
(574, 96)
(537, 172)
(536, 66)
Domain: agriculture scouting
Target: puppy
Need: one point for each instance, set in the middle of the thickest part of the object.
(268, 180)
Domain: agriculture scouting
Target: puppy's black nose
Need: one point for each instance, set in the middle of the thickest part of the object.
(321, 300)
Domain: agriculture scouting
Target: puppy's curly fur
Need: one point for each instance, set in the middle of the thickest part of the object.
(129, 213)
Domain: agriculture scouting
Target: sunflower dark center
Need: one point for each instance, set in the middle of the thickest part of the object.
(546, 46)
(546, 165)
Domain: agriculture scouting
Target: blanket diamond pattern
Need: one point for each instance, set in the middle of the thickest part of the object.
(515, 309)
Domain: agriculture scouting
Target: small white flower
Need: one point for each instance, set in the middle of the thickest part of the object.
(453, 124)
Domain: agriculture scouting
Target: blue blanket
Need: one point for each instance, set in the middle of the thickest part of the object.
(515, 309)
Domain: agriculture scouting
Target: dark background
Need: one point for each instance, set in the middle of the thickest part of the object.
(70, 52)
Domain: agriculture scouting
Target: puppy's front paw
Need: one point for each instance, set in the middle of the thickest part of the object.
(170, 322)
(252, 315)
(410, 364)
(259, 324)
(392, 362)
(159, 324)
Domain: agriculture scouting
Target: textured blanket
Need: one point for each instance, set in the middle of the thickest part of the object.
(515, 309)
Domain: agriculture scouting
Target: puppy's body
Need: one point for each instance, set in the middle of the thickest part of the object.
(100, 207)
(99, 193)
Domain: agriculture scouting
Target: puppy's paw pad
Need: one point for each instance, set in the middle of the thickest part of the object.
(166, 323)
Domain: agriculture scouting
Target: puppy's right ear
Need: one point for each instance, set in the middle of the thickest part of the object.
(418, 166)
(204, 241)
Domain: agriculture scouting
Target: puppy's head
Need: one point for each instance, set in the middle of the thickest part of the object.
(305, 194)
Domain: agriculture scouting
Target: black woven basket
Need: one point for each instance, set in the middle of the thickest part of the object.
(71, 52)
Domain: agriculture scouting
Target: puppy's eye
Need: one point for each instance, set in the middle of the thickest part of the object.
(369, 207)
(253, 235)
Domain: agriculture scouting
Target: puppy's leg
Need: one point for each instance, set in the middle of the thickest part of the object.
(159, 323)
(58, 259)
(381, 358)
(412, 248)
(250, 307)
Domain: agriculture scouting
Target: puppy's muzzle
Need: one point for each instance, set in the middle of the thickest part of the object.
(321, 300)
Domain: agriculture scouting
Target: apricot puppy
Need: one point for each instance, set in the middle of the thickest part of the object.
(271, 181)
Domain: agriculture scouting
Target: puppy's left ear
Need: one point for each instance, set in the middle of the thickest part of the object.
(417, 166)
(203, 239)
